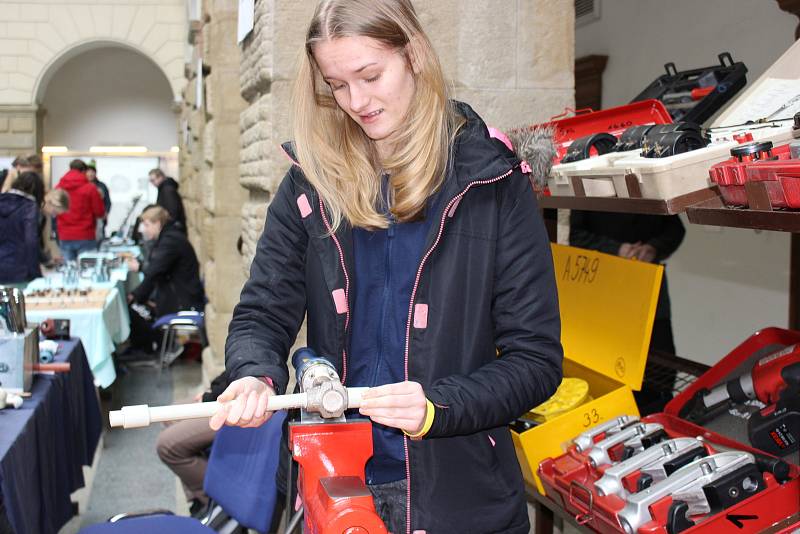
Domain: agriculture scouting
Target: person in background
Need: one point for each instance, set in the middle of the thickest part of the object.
(77, 227)
(56, 202)
(91, 175)
(183, 447)
(650, 238)
(19, 228)
(36, 164)
(171, 278)
(168, 196)
(18, 166)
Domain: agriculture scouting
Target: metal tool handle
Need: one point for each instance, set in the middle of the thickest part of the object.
(142, 415)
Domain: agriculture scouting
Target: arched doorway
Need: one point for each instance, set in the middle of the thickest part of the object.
(98, 99)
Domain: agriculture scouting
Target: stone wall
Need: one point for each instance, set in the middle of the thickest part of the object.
(210, 168)
(37, 37)
(512, 60)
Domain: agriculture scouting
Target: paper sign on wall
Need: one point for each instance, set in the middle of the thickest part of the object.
(247, 10)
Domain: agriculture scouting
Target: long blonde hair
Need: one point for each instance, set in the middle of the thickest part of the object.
(336, 156)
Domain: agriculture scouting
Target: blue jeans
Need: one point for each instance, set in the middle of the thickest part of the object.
(71, 249)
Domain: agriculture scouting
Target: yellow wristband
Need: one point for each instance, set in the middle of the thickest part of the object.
(429, 413)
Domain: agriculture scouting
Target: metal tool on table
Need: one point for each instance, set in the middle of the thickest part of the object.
(780, 469)
(19, 342)
(653, 465)
(587, 439)
(630, 437)
(705, 486)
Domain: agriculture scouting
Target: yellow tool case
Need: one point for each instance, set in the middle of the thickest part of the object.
(607, 309)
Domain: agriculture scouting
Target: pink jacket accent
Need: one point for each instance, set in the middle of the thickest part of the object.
(420, 315)
(340, 300)
(497, 134)
(304, 206)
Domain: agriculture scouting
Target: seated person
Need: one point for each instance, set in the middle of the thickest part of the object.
(183, 447)
(171, 278)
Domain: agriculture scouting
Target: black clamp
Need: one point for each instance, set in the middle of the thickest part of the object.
(664, 140)
(753, 151)
(632, 138)
(581, 148)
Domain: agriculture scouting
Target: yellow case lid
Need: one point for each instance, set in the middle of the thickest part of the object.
(608, 305)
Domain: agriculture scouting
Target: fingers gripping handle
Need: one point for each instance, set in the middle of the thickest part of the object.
(142, 415)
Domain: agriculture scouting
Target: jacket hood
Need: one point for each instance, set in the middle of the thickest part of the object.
(476, 155)
(11, 203)
(169, 182)
(72, 180)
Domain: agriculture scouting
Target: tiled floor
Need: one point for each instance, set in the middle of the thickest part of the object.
(127, 474)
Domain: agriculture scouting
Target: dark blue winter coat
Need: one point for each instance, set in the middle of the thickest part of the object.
(485, 282)
(19, 238)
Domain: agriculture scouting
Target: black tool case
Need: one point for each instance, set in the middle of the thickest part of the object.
(727, 78)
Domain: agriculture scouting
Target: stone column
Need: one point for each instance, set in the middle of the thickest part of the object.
(214, 196)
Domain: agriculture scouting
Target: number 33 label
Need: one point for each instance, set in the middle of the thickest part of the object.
(591, 417)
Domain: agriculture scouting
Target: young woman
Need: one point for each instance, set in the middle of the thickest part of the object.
(413, 243)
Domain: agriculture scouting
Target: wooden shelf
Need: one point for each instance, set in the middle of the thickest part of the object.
(713, 212)
(647, 206)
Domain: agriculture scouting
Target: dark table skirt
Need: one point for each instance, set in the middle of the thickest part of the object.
(45, 443)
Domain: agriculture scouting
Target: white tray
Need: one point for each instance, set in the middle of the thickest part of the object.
(666, 178)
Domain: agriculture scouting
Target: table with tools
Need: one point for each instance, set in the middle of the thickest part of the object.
(44, 444)
(97, 312)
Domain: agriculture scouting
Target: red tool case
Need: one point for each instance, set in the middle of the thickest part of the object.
(568, 481)
(779, 173)
(613, 120)
(781, 178)
(740, 361)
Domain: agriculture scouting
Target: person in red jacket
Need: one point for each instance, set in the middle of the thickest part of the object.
(76, 227)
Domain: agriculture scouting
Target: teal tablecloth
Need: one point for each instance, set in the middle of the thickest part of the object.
(98, 328)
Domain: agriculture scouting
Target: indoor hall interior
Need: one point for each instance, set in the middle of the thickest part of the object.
(143, 137)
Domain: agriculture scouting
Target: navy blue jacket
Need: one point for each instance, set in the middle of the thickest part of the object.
(485, 281)
(19, 238)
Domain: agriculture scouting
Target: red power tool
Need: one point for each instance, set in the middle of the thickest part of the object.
(775, 381)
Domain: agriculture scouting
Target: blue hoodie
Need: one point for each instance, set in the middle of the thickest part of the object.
(385, 268)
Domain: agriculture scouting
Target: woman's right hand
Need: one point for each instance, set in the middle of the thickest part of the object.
(243, 403)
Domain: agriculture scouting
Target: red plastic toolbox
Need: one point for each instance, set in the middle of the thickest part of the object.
(613, 120)
(571, 481)
(731, 175)
(737, 420)
(781, 178)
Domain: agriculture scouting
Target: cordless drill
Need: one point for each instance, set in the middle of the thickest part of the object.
(775, 381)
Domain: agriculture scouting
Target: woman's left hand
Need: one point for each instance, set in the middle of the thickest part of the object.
(401, 405)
